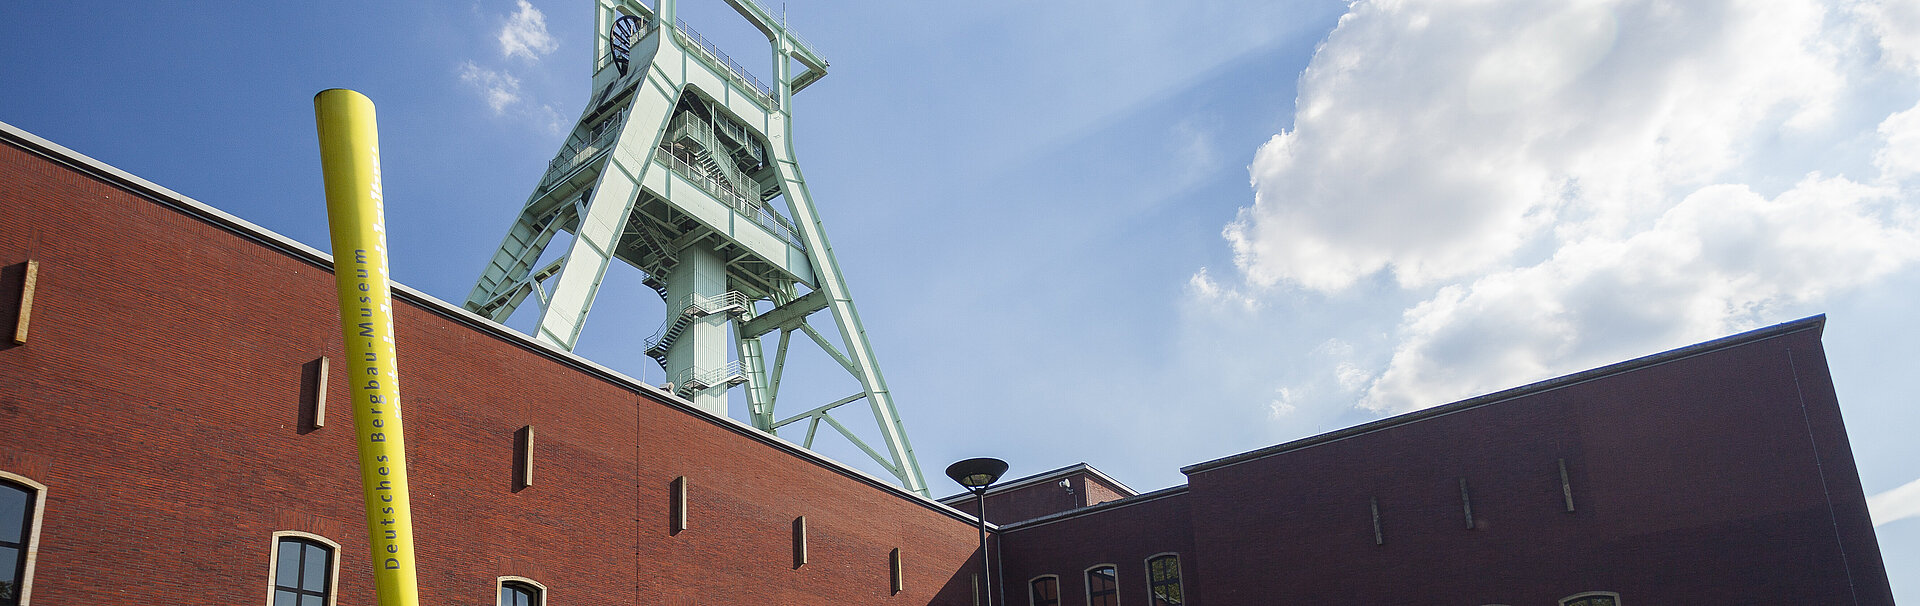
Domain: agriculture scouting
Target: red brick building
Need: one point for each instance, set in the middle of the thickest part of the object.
(164, 438)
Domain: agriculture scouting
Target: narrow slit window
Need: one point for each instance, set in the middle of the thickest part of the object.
(900, 572)
(679, 504)
(1566, 486)
(525, 477)
(799, 541)
(1466, 503)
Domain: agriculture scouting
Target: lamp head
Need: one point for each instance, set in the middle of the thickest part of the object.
(977, 474)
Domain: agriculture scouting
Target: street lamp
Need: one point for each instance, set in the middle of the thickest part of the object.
(976, 475)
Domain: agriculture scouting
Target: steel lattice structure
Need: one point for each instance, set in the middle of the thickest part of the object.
(676, 167)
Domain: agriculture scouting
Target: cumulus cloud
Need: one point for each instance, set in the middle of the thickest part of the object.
(1433, 141)
(1559, 185)
(525, 34)
(1895, 505)
(500, 89)
(1723, 260)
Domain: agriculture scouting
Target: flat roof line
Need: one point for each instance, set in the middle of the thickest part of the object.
(1044, 476)
(1814, 323)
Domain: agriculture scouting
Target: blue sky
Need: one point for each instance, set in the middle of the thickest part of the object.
(1144, 234)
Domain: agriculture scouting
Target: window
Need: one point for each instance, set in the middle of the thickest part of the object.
(303, 570)
(521, 592)
(1046, 591)
(1103, 586)
(1592, 598)
(20, 503)
(1163, 581)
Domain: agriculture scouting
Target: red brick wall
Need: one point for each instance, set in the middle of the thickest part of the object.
(1096, 491)
(160, 399)
(1026, 502)
(1022, 503)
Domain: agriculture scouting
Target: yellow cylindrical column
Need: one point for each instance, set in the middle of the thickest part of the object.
(356, 216)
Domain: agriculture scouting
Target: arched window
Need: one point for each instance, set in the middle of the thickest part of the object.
(1163, 581)
(1592, 598)
(1045, 590)
(19, 516)
(303, 570)
(1103, 586)
(515, 591)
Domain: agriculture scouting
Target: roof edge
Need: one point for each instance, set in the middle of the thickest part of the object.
(1043, 477)
(1816, 323)
(1057, 516)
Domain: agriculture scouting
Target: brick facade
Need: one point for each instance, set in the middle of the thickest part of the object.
(161, 397)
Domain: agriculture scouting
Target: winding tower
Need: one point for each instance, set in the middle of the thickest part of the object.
(678, 167)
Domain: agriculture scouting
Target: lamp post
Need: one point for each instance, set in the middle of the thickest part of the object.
(976, 475)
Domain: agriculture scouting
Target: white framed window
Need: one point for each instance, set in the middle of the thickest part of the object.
(303, 570)
(1163, 580)
(1103, 585)
(521, 591)
(1044, 590)
(1592, 598)
(22, 501)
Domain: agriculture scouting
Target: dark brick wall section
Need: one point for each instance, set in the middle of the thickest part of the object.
(1121, 535)
(160, 400)
(1703, 480)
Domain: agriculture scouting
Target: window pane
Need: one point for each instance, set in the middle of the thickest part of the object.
(13, 512)
(312, 600)
(287, 565)
(506, 596)
(9, 563)
(285, 598)
(315, 577)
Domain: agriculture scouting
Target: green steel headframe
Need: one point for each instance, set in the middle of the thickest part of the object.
(675, 168)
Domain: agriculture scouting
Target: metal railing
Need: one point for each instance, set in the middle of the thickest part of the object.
(750, 206)
(694, 379)
(577, 152)
(794, 38)
(694, 304)
(726, 63)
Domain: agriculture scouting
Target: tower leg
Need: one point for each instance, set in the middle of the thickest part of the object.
(840, 302)
(698, 357)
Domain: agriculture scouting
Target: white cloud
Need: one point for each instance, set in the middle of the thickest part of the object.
(500, 89)
(1202, 287)
(1723, 260)
(525, 34)
(1895, 505)
(1560, 185)
(1896, 29)
(1437, 141)
(1282, 404)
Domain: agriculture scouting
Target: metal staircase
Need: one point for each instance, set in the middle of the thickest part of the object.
(692, 307)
